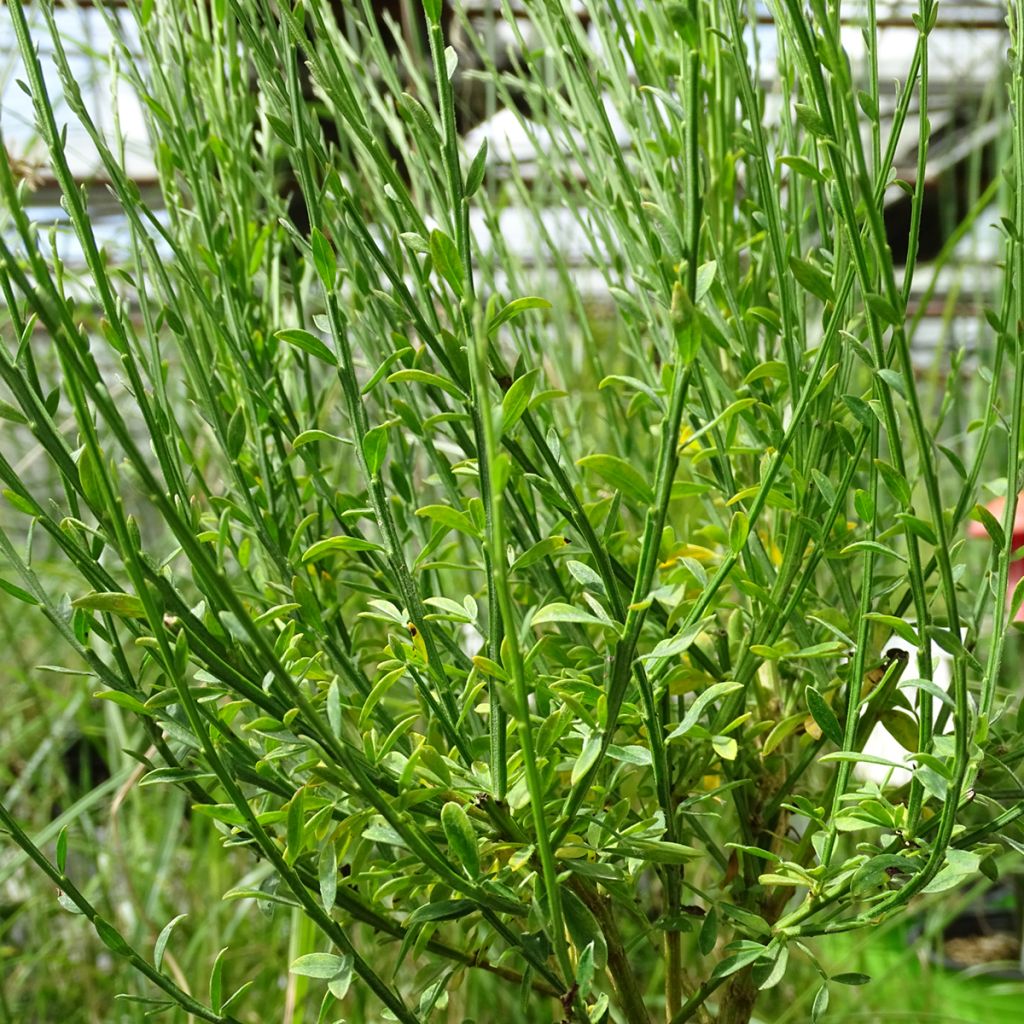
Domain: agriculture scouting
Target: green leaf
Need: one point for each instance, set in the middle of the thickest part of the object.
(658, 851)
(725, 747)
(175, 776)
(705, 278)
(1017, 599)
(673, 646)
(773, 368)
(862, 412)
(630, 754)
(919, 527)
(726, 414)
(559, 612)
(174, 322)
(820, 1004)
(811, 121)
(447, 261)
(155, 1006)
(61, 851)
(235, 436)
(327, 875)
(124, 700)
(802, 166)
(714, 692)
(441, 910)
(517, 399)
(227, 813)
(621, 475)
(708, 937)
(900, 627)
(461, 836)
(868, 104)
(884, 310)
(864, 505)
(812, 279)
(857, 757)
(314, 436)
(375, 446)
(127, 606)
(948, 641)
(378, 375)
(432, 380)
(894, 381)
(16, 592)
(281, 128)
(23, 504)
(339, 985)
(777, 971)
(547, 491)
(958, 867)
(932, 688)
(296, 829)
(828, 649)
(902, 728)
(317, 965)
(739, 527)
(66, 903)
(588, 757)
(824, 716)
(308, 343)
(111, 937)
(583, 927)
(542, 549)
(826, 380)
(780, 731)
(850, 978)
(824, 485)
(323, 258)
(514, 308)
(91, 477)
(329, 545)
(163, 938)
(477, 169)
(449, 517)
(992, 526)
(634, 384)
(746, 953)
(585, 971)
(764, 315)
(895, 484)
(872, 545)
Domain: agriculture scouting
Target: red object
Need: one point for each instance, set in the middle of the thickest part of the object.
(975, 529)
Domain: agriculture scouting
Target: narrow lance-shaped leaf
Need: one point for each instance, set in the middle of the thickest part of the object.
(461, 836)
(514, 309)
(693, 713)
(323, 258)
(621, 475)
(445, 255)
(824, 716)
(309, 343)
(126, 606)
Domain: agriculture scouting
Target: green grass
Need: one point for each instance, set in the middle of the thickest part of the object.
(905, 983)
(496, 651)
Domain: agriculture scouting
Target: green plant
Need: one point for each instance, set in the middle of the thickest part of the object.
(517, 644)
